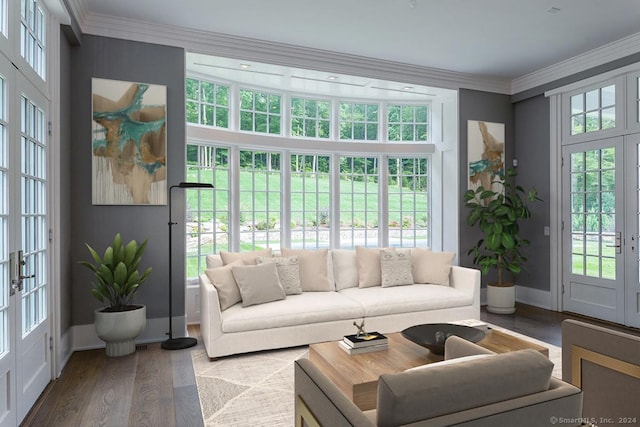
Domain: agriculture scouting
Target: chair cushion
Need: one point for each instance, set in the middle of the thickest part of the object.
(430, 266)
(369, 271)
(249, 258)
(395, 268)
(224, 282)
(288, 272)
(379, 301)
(258, 283)
(345, 268)
(427, 393)
(302, 309)
(313, 268)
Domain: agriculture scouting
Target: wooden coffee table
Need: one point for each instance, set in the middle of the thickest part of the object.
(357, 375)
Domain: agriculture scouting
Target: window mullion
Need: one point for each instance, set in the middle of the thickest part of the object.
(285, 199)
(383, 202)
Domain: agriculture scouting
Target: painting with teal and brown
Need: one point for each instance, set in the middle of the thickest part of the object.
(129, 143)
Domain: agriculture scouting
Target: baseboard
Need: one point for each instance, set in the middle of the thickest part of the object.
(85, 338)
(525, 295)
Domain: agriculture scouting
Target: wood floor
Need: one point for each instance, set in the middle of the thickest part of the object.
(155, 387)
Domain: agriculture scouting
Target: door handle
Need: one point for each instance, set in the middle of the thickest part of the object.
(618, 244)
(16, 263)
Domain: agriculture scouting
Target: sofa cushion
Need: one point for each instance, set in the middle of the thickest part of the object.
(288, 272)
(379, 301)
(313, 268)
(249, 258)
(224, 282)
(430, 266)
(427, 393)
(369, 272)
(395, 268)
(258, 283)
(345, 268)
(302, 309)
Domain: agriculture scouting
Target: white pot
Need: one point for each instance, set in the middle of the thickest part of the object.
(120, 329)
(501, 299)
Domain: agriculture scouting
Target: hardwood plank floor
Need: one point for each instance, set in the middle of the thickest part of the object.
(155, 387)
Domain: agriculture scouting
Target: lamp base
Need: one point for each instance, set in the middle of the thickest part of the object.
(178, 343)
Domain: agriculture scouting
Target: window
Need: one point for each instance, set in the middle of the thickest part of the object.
(3, 17)
(358, 122)
(407, 123)
(260, 195)
(310, 201)
(32, 35)
(310, 118)
(593, 110)
(259, 112)
(408, 201)
(359, 198)
(207, 224)
(207, 103)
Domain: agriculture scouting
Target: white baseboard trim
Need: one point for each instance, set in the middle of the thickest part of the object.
(525, 295)
(85, 338)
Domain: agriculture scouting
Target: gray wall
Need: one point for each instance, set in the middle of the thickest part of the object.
(116, 59)
(489, 107)
(532, 148)
(64, 200)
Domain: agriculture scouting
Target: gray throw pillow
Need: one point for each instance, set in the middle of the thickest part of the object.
(288, 272)
(258, 283)
(395, 267)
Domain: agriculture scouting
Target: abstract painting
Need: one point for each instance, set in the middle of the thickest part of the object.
(485, 149)
(129, 143)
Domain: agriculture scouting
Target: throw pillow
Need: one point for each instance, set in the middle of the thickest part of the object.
(313, 268)
(224, 282)
(369, 271)
(248, 258)
(345, 268)
(258, 283)
(431, 267)
(395, 267)
(288, 272)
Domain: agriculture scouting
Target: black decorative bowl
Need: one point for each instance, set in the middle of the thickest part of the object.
(433, 335)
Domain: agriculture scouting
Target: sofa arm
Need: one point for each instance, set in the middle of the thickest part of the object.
(467, 280)
(210, 314)
(319, 398)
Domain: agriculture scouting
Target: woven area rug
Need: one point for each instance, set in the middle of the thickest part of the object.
(257, 388)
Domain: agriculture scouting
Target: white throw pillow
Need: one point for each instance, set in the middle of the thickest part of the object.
(345, 268)
(449, 362)
(224, 282)
(248, 258)
(258, 283)
(395, 267)
(288, 272)
(313, 268)
(369, 271)
(431, 267)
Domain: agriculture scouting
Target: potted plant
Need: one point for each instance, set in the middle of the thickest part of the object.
(118, 280)
(498, 213)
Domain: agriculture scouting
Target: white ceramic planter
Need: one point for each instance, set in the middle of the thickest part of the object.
(119, 330)
(501, 299)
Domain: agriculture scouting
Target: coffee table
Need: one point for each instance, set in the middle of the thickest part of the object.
(357, 375)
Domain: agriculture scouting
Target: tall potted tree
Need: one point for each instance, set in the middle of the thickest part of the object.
(118, 280)
(498, 214)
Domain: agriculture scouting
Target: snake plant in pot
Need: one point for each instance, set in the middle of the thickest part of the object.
(498, 215)
(118, 281)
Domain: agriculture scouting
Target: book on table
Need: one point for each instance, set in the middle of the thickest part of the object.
(368, 340)
(360, 350)
(474, 323)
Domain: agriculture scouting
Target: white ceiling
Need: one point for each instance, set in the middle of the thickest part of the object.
(493, 38)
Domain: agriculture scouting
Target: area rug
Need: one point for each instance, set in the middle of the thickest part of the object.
(257, 389)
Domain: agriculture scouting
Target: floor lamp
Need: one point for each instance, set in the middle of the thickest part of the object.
(183, 342)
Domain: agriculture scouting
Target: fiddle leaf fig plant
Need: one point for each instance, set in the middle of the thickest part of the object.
(118, 278)
(498, 214)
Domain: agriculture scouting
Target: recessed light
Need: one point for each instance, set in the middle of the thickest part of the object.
(408, 88)
(332, 78)
(553, 10)
(244, 66)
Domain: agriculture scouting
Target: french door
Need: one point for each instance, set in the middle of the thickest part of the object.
(600, 229)
(25, 355)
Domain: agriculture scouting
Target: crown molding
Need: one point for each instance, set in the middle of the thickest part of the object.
(278, 53)
(600, 56)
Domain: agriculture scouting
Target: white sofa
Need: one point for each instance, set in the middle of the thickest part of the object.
(316, 316)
